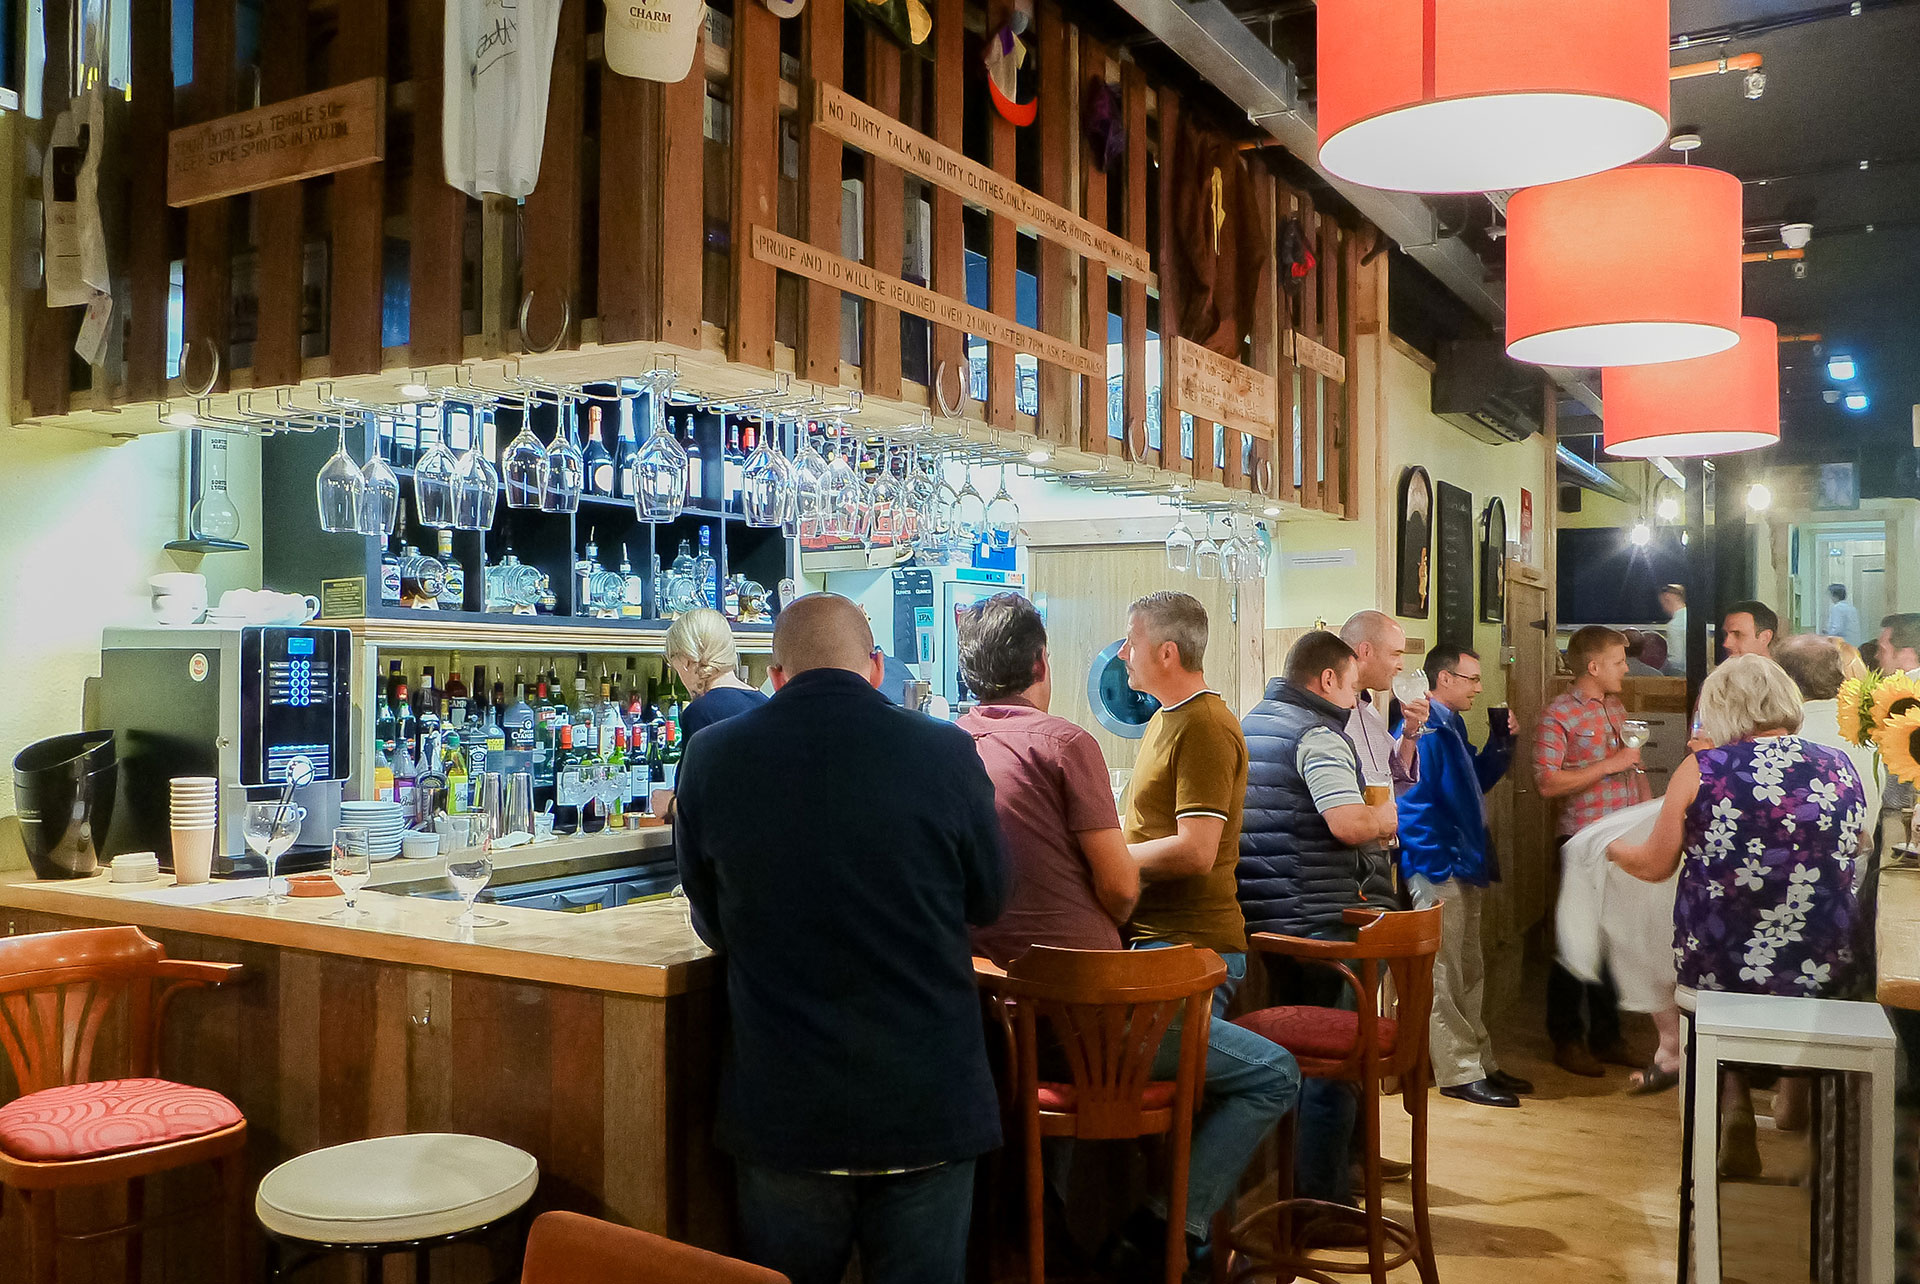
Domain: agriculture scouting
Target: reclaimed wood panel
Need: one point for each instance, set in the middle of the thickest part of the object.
(1055, 285)
(149, 220)
(1264, 351)
(820, 164)
(1287, 444)
(1003, 249)
(1168, 273)
(51, 331)
(1093, 272)
(949, 72)
(437, 211)
(632, 199)
(1347, 452)
(550, 266)
(756, 180)
(358, 277)
(279, 212)
(1332, 418)
(885, 230)
(1133, 293)
(682, 232)
(208, 270)
(1309, 325)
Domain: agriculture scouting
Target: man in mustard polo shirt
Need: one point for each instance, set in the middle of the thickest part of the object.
(1182, 825)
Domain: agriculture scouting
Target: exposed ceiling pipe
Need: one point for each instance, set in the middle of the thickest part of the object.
(1715, 67)
(1588, 477)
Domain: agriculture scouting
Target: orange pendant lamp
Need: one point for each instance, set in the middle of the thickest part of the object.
(1635, 265)
(1488, 95)
(1713, 405)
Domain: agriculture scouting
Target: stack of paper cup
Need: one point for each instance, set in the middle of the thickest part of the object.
(195, 816)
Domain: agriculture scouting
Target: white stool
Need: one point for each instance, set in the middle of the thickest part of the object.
(391, 1195)
(1802, 1034)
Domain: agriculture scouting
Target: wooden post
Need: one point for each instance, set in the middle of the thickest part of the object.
(550, 269)
(1058, 127)
(756, 177)
(633, 147)
(885, 225)
(1171, 455)
(1287, 441)
(1265, 348)
(1003, 247)
(949, 243)
(1133, 292)
(437, 209)
(280, 211)
(1309, 324)
(359, 206)
(207, 303)
(1345, 445)
(149, 253)
(683, 220)
(820, 161)
(1093, 272)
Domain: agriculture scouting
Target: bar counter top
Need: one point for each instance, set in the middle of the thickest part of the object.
(1899, 938)
(646, 949)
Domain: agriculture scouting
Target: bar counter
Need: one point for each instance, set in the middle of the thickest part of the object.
(589, 1040)
(1898, 929)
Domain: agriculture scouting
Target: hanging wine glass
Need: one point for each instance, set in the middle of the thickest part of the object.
(810, 483)
(969, 511)
(883, 501)
(379, 497)
(916, 491)
(842, 487)
(338, 488)
(940, 527)
(766, 487)
(1180, 542)
(433, 475)
(520, 462)
(1263, 547)
(476, 486)
(1206, 554)
(1003, 517)
(660, 469)
(563, 469)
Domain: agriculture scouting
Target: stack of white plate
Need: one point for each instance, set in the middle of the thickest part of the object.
(195, 802)
(383, 822)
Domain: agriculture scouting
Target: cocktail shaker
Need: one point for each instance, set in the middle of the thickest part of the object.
(519, 813)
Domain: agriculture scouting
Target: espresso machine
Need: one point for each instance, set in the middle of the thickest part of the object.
(239, 705)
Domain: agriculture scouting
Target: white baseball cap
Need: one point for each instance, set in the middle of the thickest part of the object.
(785, 8)
(653, 39)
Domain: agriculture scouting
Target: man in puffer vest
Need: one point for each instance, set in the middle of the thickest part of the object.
(1310, 849)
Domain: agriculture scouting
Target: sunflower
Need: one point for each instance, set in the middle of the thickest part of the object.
(1899, 741)
(1852, 700)
(1893, 695)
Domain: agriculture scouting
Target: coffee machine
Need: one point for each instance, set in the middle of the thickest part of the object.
(235, 704)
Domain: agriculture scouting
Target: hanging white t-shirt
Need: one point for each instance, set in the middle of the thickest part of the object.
(499, 64)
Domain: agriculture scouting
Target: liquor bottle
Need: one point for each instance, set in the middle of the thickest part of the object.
(382, 774)
(583, 568)
(406, 438)
(617, 780)
(544, 738)
(733, 469)
(730, 598)
(459, 708)
(453, 595)
(566, 789)
(582, 703)
(404, 774)
(670, 753)
(633, 598)
(406, 728)
(696, 464)
(385, 723)
(706, 572)
(626, 452)
(639, 773)
(428, 702)
(500, 699)
(517, 725)
(597, 458)
(422, 579)
(383, 430)
(456, 775)
(390, 575)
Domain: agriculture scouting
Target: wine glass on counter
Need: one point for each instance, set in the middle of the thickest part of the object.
(350, 864)
(270, 829)
(470, 871)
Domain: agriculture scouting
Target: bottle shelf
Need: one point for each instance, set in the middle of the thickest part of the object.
(477, 631)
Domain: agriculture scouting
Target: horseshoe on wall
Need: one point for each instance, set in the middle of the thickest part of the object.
(560, 336)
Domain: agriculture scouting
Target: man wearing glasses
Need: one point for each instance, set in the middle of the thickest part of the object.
(1447, 859)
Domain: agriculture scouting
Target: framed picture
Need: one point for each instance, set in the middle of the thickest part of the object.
(1414, 583)
(1493, 562)
(1837, 488)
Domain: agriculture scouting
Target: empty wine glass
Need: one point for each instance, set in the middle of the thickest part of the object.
(351, 867)
(476, 489)
(969, 510)
(810, 482)
(1180, 542)
(1410, 687)
(883, 503)
(379, 497)
(1003, 516)
(842, 491)
(434, 475)
(470, 871)
(766, 486)
(270, 829)
(563, 469)
(1206, 553)
(338, 488)
(660, 469)
(520, 463)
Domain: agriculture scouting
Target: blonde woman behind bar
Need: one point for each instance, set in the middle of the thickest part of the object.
(700, 650)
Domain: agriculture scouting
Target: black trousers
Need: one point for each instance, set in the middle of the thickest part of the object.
(1578, 1012)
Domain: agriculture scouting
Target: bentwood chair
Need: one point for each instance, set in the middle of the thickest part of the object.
(1364, 1049)
(1105, 1014)
(63, 997)
(567, 1248)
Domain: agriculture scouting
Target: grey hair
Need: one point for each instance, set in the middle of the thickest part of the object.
(1370, 627)
(1178, 618)
(1745, 696)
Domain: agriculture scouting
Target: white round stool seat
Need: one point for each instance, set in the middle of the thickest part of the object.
(389, 1190)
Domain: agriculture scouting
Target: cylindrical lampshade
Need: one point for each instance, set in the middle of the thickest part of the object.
(1619, 269)
(1488, 95)
(1713, 405)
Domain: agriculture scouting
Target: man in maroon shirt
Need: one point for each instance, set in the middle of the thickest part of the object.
(1073, 881)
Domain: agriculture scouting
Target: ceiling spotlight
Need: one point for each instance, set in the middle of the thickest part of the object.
(1668, 509)
(1840, 368)
(176, 418)
(1866, 164)
(1756, 84)
(1641, 535)
(1759, 497)
(1857, 401)
(415, 391)
(1796, 235)
(1684, 143)
(1271, 510)
(1178, 488)
(1831, 396)
(1039, 455)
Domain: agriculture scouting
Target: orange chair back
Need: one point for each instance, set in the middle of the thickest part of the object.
(567, 1248)
(1108, 1011)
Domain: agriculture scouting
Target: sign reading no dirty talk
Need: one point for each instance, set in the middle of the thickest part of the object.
(319, 133)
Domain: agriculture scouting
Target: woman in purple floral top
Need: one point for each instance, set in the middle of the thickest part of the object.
(1765, 828)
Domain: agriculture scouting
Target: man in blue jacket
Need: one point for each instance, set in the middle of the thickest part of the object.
(1447, 859)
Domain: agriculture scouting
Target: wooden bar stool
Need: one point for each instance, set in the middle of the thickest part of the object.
(1362, 1048)
(61, 994)
(567, 1248)
(403, 1194)
(1106, 1014)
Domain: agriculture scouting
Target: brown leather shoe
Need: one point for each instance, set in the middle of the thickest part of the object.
(1575, 1059)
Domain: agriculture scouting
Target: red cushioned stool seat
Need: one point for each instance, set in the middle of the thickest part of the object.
(1063, 1097)
(1323, 1034)
(86, 1120)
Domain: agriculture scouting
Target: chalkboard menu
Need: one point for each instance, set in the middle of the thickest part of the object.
(1454, 571)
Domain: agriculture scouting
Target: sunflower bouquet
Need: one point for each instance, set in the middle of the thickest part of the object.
(1883, 710)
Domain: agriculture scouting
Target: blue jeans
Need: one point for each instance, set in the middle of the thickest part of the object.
(911, 1228)
(1251, 1083)
(1323, 1141)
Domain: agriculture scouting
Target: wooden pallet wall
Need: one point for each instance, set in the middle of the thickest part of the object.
(640, 230)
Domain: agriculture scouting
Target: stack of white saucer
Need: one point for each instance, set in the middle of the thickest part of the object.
(195, 816)
(383, 822)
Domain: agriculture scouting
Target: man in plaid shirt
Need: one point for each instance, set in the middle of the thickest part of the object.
(1578, 758)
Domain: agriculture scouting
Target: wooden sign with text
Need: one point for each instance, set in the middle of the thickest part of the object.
(318, 133)
(1217, 389)
(858, 125)
(801, 259)
(1319, 358)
